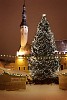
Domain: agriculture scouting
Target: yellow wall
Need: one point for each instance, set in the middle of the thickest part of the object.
(21, 63)
(63, 61)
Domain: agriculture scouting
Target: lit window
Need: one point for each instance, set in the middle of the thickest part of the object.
(19, 68)
(24, 68)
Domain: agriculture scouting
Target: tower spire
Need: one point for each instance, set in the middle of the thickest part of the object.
(24, 32)
(24, 21)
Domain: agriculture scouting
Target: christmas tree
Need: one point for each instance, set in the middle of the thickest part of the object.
(43, 62)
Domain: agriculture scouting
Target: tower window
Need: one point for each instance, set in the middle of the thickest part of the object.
(24, 68)
(19, 68)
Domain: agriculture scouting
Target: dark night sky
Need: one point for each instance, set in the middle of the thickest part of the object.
(10, 19)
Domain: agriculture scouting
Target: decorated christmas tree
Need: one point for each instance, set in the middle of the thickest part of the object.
(43, 62)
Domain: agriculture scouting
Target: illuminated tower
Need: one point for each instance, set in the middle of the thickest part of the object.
(24, 32)
(24, 28)
(21, 62)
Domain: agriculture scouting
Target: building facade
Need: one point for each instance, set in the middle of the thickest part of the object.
(62, 53)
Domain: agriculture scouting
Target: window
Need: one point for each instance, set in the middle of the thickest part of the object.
(24, 68)
(19, 68)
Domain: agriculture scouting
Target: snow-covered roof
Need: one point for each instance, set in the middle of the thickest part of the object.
(12, 72)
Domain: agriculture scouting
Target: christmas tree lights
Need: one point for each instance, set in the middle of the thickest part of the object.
(43, 63)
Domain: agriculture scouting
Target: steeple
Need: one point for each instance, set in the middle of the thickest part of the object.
(24, 32)
(24, 22)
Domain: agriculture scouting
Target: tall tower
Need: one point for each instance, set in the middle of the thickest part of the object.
(24, 31)
(24, 28)
(21, 62)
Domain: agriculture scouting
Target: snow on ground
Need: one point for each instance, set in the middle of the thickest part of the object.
(35, 92)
